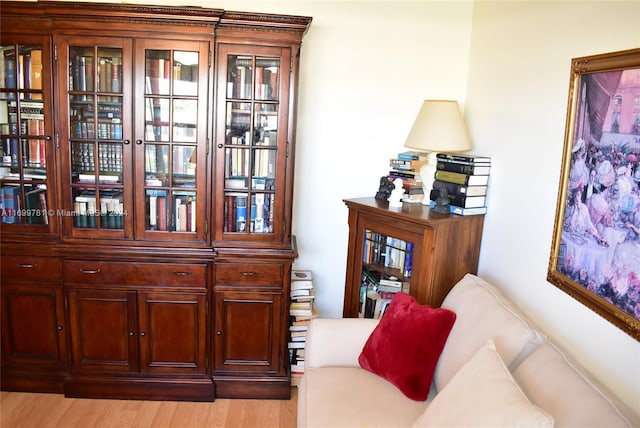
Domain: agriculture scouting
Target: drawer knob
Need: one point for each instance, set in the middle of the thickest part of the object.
(249, 273)
(27, 265)
(90, 271)
(179, 273)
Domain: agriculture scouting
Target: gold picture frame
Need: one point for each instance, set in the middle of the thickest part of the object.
(595, 251)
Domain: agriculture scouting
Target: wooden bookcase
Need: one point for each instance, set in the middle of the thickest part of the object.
(445, 248)
(148, 152)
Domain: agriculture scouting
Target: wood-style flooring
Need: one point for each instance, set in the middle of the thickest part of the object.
(30, 410)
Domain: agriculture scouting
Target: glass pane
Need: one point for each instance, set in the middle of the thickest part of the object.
(157, 209)
(261, 213)
(110, 163)
(156, 164)
(158, 72)
(266, 125)
(30, 67)
(9, 63)
(238, 123)
(236, 167)
(267, 78)
(109, 70)
(185, 73)
(83, 160)
(84, 206)
(110, 118)
(81, 69)
(30, 209)
(8, 115)
(185, 120)
(235, 212)
(184, 213)
(264, 169)
(111, 209)
(157, 119)
(81, 121)
(239, 76)
(184, 166)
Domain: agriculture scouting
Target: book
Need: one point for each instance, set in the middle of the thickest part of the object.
(453, 209)
(461, 189)
(412, 155)
(464, 201)
(463, 157)
(464, 168)
(463, 179)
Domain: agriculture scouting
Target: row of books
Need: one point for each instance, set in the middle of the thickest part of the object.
(464, 178)
(406, 166)
(32, 151)
(240, 79)
(259, 210)
(106, 212)
(34, 210)
(82, 73)
(109, 157)
(160, 72)
(237, 162)
(26, 72)
(301, 311)
(182, 211)
(388, 251)
(376, 292)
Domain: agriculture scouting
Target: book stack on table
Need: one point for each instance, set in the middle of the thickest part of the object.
(407, 167)
(301, 312)
(466, 179)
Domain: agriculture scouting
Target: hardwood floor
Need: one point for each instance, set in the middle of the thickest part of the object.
(29, 410)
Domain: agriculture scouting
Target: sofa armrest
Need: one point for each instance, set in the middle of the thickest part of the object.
(336, 341)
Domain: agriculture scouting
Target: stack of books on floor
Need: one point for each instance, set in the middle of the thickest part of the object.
(466, 179)
(376, 292)
(407, 167)
(301, 312)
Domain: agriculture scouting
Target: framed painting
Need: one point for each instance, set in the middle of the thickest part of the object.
(595, 251)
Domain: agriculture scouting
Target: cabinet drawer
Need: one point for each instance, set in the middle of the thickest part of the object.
(130, 273)
(248, 274)
(30, 268)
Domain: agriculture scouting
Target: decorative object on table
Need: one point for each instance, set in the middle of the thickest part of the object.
(593, 259)
(442, 201)
(439, 127)
(395, 200)
(384, 191)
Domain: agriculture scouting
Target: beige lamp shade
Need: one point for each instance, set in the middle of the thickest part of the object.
(439, 127)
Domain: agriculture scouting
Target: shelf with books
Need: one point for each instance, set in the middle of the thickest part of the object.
(301, 311)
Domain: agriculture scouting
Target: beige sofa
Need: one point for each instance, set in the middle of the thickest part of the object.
(336, 392)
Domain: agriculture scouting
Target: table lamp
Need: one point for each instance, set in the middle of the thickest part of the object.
(438, 128)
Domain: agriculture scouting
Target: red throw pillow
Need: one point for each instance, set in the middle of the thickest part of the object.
(405, 346)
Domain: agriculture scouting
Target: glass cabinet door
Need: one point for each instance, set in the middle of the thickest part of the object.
(171, 144)
(26, 187)
(98, 137)
(250, 132)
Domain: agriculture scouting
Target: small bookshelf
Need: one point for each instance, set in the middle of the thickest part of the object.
(410, 249)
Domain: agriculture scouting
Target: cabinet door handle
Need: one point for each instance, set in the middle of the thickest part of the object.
(126, 142)
(219, 333)
(59, 328)
(138, 142)
(179, 273)
(131, 333)
(249, 273)
(27, 265)
(142, 333)
(89, 271)
(219, 146)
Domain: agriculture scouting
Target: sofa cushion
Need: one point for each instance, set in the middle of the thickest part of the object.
(483, 312)
(352, 397)
(483, 394)
(405, 346)
(554, 383)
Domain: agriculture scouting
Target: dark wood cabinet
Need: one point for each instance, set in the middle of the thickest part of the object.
(147, 159)
(444, 247)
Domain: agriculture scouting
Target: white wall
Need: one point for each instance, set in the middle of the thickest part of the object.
(516, 106)
(366, 67)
